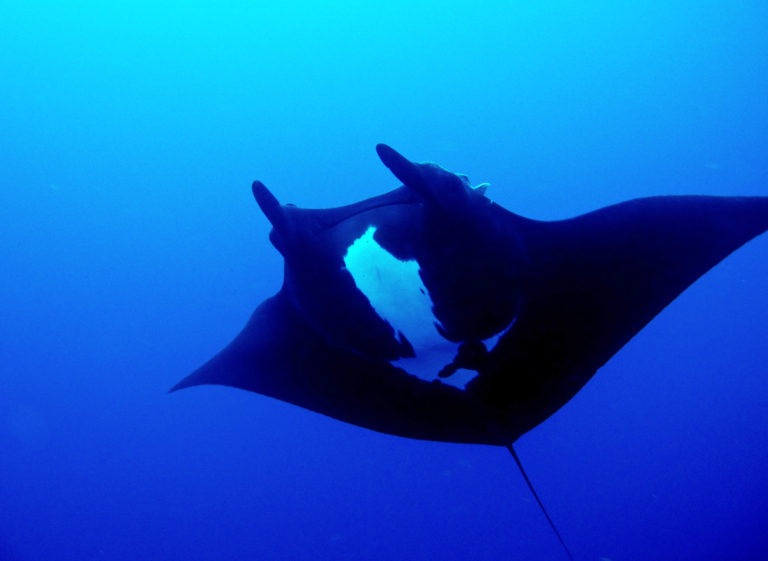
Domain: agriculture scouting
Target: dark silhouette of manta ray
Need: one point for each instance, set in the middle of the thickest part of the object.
(431, 312)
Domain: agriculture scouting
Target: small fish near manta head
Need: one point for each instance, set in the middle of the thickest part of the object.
(431, 312)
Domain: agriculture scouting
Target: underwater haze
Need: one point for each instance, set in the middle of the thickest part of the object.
(131, 250)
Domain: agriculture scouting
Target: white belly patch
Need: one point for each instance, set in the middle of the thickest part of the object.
(398, 295)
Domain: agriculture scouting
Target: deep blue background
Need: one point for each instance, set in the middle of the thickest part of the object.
(131, 250)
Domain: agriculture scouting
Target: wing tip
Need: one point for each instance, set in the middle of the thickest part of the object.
(196, 378)
(180, 385)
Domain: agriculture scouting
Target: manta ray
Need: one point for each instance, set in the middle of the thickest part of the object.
(433, 313)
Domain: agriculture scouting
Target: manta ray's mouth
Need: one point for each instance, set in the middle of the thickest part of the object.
(283, 216)
(413, 199)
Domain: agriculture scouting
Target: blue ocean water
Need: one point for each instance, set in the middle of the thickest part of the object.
(131, 250)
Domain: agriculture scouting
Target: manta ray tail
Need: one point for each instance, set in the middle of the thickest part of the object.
(538, 500)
